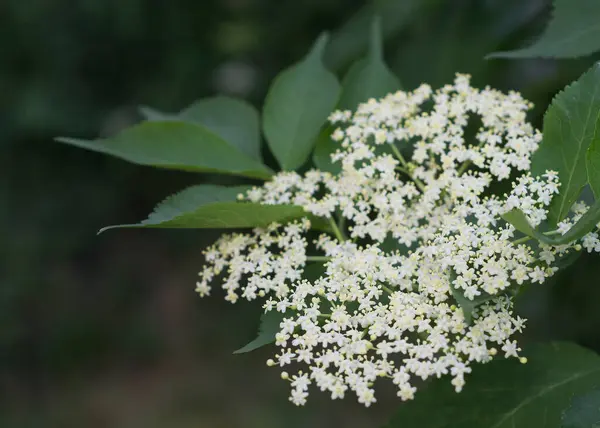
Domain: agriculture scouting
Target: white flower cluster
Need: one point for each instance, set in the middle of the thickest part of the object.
(417, 229)
(269, 260)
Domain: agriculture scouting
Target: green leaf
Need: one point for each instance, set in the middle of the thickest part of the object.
(468, 306)
(324, 148)
(392, 245)
(297, 105)
(567, 259)
(571, 124)
(369, 77)
(506, 393)
(269, 321)
(348, 42)
(584, 225)
(519, 220)
(313, 271)
(593, 168)
(232, 119)
(445, 39)
(593, 163)
(176, 145)
(584, 411)
(215, 207)
(269, 327)
(574, 31)
(149, 113)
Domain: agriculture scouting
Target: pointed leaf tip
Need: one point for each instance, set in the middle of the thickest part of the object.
(217, 207)
(297, 105)
(572, 32)
(318, 48)
(376, 40)
(173, 144)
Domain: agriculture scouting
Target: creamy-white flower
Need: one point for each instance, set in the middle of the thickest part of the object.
(424, 231)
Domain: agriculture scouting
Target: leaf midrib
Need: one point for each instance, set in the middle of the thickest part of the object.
(539, 394)
(575, 35)
(579, 146)
(299, 120)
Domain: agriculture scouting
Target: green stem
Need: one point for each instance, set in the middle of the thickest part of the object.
(464, 167)
(522, 240)
(584, 225)
(405, 168)
(387, 289)
(320, 259)
(466, 164)
(341, 222)
(336, 230)
(552, 232)
(399, 156)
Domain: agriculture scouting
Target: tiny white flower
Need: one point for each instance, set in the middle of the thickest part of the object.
(423, 235)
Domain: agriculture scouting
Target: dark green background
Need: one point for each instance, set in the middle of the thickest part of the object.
(106, 331)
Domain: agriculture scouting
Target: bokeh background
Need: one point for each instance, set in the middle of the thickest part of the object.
(106, 331)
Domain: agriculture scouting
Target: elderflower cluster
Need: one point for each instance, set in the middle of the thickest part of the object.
(417, 268)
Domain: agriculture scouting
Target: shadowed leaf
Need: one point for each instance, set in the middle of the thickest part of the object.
(176, 145)
(506, 393)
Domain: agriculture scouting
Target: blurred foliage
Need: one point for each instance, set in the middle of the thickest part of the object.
(107, 331)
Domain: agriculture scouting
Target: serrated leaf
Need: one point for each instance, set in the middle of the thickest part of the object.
(456, 38)
(584, 411)
(571, 124)
(593, 168)
(574, 31)
(593, 162)
(234, 120)
(298, 103)
(506, 393)
(176, 145)
(369, 77)
(215, 207)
